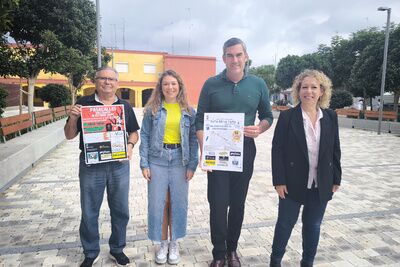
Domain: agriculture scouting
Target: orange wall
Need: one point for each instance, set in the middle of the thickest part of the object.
(194, 72)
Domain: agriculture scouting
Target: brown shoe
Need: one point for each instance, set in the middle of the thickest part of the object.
(217, 263)
(233, 259)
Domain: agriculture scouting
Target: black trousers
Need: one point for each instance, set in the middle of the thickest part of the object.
(227, 193)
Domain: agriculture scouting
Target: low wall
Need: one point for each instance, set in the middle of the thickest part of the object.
(19, 155)
(369, 125)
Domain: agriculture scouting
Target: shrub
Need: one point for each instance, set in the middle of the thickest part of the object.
(341, 99)
(56, 94)
(3, 104)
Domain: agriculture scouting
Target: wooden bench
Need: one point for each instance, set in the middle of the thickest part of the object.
(59, 112)
(386, 115)
(15, 125)
(279, 108)
(348, 112)
(68, 109)
(42, 117)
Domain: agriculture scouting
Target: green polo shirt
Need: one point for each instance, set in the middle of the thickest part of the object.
(220, 95)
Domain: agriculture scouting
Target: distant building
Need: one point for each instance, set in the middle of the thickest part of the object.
(138, 75)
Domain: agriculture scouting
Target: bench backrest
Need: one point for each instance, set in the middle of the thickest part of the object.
(59, 112)
(14, 124)
(388, 115)
(281, 108)
(68, 108)
(348, 112)
(42, 116)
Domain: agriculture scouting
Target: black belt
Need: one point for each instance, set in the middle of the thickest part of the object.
(171, 146)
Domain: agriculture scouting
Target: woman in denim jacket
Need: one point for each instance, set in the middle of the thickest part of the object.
(168, 159)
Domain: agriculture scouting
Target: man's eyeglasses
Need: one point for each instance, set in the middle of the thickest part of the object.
(103, 79)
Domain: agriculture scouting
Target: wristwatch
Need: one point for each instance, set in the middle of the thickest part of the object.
(133, 144)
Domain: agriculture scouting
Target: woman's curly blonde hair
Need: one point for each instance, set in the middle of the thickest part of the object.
(324, 82)
(157, 96)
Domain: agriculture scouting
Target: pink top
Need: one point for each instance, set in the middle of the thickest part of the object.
(312, 137)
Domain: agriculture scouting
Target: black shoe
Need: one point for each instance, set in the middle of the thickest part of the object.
(120, 258)
(217, 263)
(233, 259)
(89, 262)
(274, 263)
(304, 264)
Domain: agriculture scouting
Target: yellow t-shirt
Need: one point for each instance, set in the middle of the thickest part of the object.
(172, 133)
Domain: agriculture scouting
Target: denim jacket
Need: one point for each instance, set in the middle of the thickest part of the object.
(152, 136)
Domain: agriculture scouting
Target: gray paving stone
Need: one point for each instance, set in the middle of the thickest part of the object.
(40, 214)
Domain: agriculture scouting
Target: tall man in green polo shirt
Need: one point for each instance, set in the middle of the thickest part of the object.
(232, 91)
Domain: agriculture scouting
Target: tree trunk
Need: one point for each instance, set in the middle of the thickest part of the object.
(364, 102)
(396, 101)
(72, 89)
(31, 92)
(370, 102)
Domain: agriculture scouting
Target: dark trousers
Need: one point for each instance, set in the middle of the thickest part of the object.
(313, 213)
(229, 190)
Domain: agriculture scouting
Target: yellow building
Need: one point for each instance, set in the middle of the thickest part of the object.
(138, 74)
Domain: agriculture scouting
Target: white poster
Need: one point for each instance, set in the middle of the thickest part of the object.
(223, 142)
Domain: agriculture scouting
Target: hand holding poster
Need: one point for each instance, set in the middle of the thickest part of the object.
(103, 129)
(223, 142)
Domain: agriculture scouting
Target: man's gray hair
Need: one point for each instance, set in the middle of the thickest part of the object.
(107, 68)
(233, 41)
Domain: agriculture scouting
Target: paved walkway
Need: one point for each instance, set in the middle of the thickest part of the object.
(39, 215)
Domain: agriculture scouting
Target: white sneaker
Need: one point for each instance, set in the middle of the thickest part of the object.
(173, 255)
(162, 252)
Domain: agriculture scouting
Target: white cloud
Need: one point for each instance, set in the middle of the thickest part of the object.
(271, 29)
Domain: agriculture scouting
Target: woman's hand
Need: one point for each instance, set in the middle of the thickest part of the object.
(281, 190)
(201, 164)
(335, 188)
(146, 174)
(189, 175)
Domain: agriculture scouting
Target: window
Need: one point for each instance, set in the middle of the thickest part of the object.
(122, 67)
(149, 68)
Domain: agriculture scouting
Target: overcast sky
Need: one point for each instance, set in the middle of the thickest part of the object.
(271, 29)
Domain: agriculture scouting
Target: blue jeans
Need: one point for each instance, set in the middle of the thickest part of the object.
(166, 172)
(94, 179)
(313, 213)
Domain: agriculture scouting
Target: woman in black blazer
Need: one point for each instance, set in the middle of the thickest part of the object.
(305, 163)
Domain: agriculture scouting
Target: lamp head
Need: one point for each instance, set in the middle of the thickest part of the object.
(383, 8)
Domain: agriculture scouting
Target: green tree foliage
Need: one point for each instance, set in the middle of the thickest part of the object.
(49, 34)
(341, 99)
(288, 68)
(6, 6)
(3, 104)
(393, 70)
(345, 53)
(80, 67)
(365, 77)
(318, 61)
(56, 94)
(342, 60)
(267, 73)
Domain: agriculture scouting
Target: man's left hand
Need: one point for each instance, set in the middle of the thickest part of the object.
(252, 131)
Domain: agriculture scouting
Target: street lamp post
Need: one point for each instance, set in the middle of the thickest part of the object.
(98, 34)
(385, 52)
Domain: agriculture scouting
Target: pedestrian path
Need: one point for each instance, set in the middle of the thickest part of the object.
(40, 214)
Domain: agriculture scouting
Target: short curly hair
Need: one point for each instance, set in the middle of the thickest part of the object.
(324, 82)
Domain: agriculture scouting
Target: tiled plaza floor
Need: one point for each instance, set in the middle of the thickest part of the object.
(39, 215)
